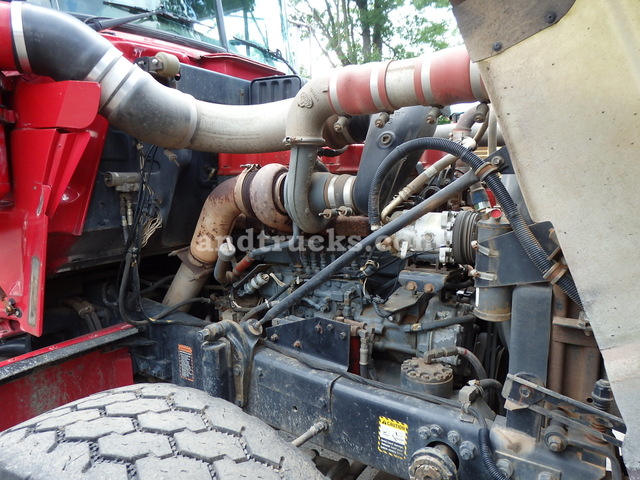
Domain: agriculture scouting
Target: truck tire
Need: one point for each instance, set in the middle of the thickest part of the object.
(149, 432)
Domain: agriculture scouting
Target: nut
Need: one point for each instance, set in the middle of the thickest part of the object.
(411, 286)
(505, 466)
(453, 437)
(468, 450)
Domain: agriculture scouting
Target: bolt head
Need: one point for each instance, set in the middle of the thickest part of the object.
(436, 430)
(525, 392)
(424, 432)
(468, 450)
(497, 46)
(453, 437)
(505, 466)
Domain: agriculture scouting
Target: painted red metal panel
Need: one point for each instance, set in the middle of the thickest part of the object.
(7, 61)
(67, 343)
(75, 193)
(65, 382)
(135, 46)
(70, 105)
(5, 181)
(46, 174)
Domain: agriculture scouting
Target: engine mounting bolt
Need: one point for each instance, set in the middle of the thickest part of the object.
(411, 286)
(436, 430)
(429, 288)
(468, 450)
(274, 337)
(505, 466)
(318, 328)
(297, 344)
(424, 432)
(342, 335)
(454, 437)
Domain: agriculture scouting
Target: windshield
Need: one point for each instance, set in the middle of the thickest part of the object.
(254, 28)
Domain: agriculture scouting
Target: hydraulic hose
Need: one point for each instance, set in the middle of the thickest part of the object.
(486, 454)
(447, 322)
(523, 233)
(392, 227)
(474, 361)
(399, 153)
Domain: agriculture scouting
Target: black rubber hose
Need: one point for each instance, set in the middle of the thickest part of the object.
(122, 293)
(490, 383)
(474, 361)
(522, 231)
(447, 322)
(390, 228)
(375, 190)
(486, 454)
(50, 35)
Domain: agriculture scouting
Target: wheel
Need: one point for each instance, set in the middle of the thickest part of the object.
(149, 431)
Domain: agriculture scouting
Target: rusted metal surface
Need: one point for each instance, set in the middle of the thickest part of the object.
(357, 226)
(264, 197)
(216, 221)
(574, 360)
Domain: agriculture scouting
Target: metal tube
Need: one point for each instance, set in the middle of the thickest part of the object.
(315, 429)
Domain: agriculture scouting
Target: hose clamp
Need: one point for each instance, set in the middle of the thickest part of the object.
(17, 28)
(555, 273)
(485, 169)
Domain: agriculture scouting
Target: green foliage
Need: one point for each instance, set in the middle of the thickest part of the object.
(358, 31)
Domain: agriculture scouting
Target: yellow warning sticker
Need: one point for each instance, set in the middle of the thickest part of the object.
(392, 437)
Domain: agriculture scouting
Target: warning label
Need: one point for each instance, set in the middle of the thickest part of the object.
(392, 437)
(185, 362)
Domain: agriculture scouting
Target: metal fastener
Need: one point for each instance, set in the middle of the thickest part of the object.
(497, 46)
(436, 430)
(505, 466)
(468, 450)
(454, 437)
(525, 392)
(411, 286)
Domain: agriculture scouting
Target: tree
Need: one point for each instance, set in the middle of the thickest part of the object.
(357, 31)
